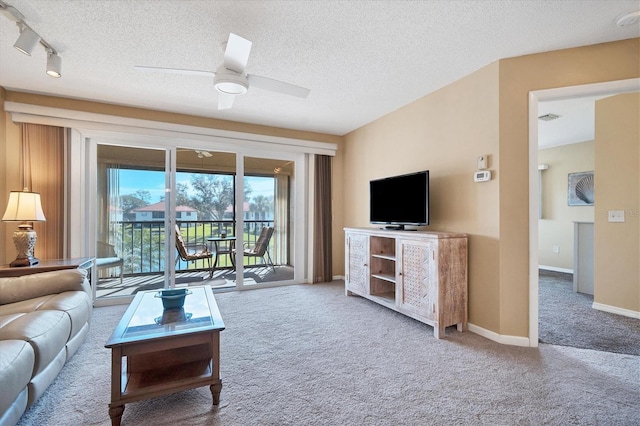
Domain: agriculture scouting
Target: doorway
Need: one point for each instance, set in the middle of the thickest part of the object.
(608, 88)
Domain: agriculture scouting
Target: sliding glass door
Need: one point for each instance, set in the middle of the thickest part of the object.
(185, 215)
(268, 218)
(205, 214)
(132, 213)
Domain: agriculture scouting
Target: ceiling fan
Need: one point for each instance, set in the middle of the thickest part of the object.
(230, 78)
(199, 153)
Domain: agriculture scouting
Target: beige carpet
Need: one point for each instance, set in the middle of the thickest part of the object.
(567, 318)
(309, 355)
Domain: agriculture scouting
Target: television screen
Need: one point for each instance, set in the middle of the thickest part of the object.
(400, 200)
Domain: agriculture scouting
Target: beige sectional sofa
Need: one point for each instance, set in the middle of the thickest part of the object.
(44, 318)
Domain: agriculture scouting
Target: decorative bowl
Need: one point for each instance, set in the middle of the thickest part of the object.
(173, 298)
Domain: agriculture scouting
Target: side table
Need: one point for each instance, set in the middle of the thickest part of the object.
(47, 266)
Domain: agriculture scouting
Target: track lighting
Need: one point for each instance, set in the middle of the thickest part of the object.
(54, 64)
(28, 40)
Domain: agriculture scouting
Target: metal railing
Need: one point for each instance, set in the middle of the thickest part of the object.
(141, 243)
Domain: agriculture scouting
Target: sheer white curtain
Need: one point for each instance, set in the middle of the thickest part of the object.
(281, 221)
(109, 210)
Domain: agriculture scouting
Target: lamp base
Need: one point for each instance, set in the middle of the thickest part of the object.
(25, 240)
(25, 261)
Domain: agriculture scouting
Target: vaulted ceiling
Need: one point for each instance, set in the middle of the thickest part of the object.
(360, 59)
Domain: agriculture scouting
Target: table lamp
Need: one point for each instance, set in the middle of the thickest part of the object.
(25, 207)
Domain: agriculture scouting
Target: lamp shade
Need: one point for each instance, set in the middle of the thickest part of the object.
(24, 206)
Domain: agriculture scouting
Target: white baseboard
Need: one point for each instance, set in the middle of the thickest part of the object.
(615, 310)
(555, 269)
(338, 277)
(505, 340)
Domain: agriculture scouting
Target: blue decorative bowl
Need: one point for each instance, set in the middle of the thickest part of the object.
(173, 298)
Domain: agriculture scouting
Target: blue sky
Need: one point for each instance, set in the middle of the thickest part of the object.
(152, 181)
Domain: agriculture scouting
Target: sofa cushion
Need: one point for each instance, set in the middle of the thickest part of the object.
(16, 289)
(75, 303)
(46, 331)
(24, 306)
(16, 366)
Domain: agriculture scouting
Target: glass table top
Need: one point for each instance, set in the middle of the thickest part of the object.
(146, 318)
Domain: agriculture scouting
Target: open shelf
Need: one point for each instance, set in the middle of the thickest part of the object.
(382, 269)
(387, 298)
(161, 378)
(384, 256)
(385, 277)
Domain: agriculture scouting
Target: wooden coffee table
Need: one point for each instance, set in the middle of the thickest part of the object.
(156, 352)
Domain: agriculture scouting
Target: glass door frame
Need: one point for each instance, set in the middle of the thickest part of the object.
(86, 147)
(300, 223)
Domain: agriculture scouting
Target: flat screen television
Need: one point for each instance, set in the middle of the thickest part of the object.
(400, 200)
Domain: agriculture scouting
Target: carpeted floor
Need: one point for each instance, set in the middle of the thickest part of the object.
(566, 318)
(309, 355)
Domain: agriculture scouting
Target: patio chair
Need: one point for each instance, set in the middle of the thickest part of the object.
(106, 257)
(261, 247)
(192, 252)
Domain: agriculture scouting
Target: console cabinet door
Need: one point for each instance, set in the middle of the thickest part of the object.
(418, 279)
(357, 263)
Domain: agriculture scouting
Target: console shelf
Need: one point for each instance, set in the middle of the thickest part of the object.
(420, 274)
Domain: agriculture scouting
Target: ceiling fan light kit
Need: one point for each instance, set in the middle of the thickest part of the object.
(230, 82)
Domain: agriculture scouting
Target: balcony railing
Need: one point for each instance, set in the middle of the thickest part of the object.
(141, 243)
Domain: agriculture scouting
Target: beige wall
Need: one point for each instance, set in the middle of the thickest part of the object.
(10, 179)
(556, 225)
(445, 131)
(518, 76)
(617, 245)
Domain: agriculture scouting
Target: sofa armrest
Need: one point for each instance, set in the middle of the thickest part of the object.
(16, 289)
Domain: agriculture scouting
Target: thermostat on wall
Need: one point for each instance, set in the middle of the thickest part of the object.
(482, 176)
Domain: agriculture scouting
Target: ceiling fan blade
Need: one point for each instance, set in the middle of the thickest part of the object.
(174, 71)
(225, 100)
(277, 86)
(237, 52)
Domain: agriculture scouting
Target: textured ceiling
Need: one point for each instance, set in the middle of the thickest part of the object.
(361, 59)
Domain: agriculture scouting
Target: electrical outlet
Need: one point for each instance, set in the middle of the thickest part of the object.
(556, 249)
(616, 215)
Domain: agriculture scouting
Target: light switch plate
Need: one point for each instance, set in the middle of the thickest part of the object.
(616, 215)
(482, 162)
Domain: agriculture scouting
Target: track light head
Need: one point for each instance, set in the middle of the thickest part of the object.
(54, 64)
(27, 40)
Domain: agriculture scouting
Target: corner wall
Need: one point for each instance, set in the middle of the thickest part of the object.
(483, 113)
(444, 133)
(519, 76)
